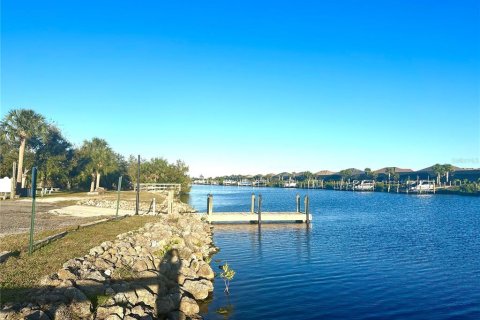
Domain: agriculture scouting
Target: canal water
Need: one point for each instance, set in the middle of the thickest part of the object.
(365, 256)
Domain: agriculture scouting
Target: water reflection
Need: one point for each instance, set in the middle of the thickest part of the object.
(365, 256)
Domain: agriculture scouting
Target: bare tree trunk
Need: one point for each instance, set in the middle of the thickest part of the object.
(24, 178)
(21, 152)
(92, 184)
(98, 181)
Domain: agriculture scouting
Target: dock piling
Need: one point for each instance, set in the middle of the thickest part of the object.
(252, 207)
(298, 203)
(307, 203)
(209, 204)
(259, 209)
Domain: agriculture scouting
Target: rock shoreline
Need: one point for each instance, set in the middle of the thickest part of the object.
(159, 271)
(145, 207)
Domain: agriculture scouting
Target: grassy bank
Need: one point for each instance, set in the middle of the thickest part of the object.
(22, 272)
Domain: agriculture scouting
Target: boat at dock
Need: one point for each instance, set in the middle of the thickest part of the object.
(229, 182)
(290, 184)
(423, 186)
(244, 183)
(364, 185)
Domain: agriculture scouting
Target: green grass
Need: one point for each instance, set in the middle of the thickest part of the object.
(19, 242)
(22, 272)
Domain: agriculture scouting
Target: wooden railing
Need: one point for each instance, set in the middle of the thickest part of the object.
(154, 187)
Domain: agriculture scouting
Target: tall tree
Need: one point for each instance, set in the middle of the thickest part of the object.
(53, 158)
(20, 126)
(101, 160)
(158, 170)
(438, 170)
(346, 175)
(447, 168)
(370, 174)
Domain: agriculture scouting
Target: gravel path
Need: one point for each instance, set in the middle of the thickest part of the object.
(15, 217)
(86, 211)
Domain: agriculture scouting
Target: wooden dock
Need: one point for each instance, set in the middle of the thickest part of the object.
(258, 216)
(239, 217)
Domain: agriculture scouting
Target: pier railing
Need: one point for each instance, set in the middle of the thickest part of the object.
(156, 187)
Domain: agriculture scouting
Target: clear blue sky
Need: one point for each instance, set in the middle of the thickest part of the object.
(253, 86)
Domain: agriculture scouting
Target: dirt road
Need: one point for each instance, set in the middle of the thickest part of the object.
(15, 217)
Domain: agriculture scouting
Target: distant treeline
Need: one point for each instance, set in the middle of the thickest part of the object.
(452, 178)
(440, 173)
(27, 139)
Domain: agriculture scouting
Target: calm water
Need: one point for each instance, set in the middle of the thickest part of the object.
(366, 256)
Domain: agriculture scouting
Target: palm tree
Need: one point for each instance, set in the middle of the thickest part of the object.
(390, 171)
(448, 168)
(102, 160)
(20, 126)
(345, 174)
(438, 170)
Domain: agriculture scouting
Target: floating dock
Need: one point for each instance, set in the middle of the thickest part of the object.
(238, 217)
(258, 216)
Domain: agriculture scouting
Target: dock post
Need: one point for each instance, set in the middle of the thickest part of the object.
(259, 209)
(298, 202)
(209, 204)
(252, 207)
(307, 203)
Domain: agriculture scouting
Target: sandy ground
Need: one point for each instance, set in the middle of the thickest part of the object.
(86, 211)
(50, 199)
(15, 217)
(59, 211)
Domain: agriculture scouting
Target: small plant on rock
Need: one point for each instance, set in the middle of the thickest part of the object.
(227, 275)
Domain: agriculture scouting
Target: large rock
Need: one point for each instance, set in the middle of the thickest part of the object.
(80, 305)
(90, 287)
(64, 274)
(114, 312)
(37, 315)
(205, 271)
(163, 284)
(189, 306)
(198, 289)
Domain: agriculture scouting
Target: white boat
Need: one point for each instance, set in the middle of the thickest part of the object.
(290, 184)
(245, 183)
(364, 185)
(259, 183)
(423, 186)
(229, 182)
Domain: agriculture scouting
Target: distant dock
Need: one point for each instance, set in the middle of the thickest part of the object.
(259, 216)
